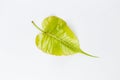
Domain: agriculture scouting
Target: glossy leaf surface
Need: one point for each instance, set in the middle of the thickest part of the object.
(56, 38)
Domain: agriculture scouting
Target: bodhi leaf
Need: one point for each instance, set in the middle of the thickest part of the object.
(57, 38)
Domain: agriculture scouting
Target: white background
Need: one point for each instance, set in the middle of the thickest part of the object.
(95, 22)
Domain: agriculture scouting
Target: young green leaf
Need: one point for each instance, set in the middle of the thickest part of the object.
(57, 38)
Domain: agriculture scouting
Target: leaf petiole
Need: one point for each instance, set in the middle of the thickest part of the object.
(37, 26)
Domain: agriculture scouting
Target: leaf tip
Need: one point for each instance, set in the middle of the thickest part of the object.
(88, 54)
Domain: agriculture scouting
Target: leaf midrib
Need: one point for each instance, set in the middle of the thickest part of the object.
(62, 41)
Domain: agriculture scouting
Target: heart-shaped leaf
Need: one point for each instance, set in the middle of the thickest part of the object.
(57, 38)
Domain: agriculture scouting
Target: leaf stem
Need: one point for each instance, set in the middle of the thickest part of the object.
(37, 26)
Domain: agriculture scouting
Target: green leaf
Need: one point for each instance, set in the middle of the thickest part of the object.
(57, 38)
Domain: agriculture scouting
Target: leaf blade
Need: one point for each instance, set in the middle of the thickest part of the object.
(57, 38)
